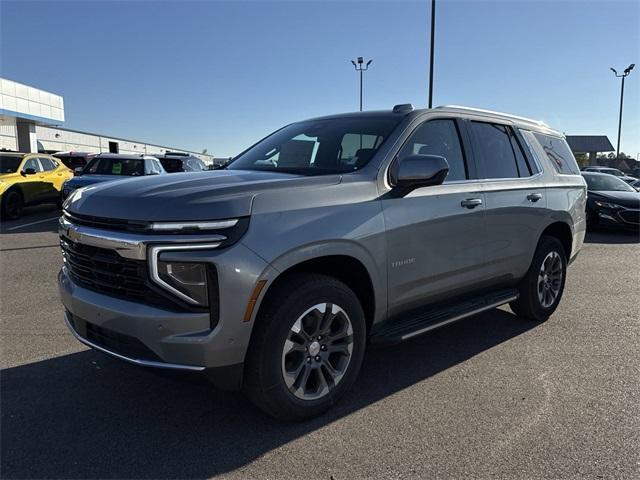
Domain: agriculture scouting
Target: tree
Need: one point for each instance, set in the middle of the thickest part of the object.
(204, 152)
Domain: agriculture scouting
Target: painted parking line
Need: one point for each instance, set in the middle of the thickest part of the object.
(33, 223)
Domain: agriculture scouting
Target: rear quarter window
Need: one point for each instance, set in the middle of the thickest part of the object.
(559, 153)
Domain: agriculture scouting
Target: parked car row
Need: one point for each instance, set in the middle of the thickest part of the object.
(28, 179)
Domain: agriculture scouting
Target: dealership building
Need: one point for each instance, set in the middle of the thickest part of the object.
(32, 120)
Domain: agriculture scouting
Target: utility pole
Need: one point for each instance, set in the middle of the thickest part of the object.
(624, 75)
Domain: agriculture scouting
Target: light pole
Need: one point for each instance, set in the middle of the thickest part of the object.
(624, 74)
(431, 51)
(361, 67)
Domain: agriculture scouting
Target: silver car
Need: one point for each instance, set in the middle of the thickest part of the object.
(275, 273)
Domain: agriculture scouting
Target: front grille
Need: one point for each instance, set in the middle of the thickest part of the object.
(113, 341)
(106, 272)
(631, 216)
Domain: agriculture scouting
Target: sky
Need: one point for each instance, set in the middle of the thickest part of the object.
(221, 75)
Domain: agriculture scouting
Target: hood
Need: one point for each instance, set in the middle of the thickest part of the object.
(84, 180)
(626, 199)
(207, 195)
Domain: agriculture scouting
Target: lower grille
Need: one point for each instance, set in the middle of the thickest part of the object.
(631, 216)
(113, 341)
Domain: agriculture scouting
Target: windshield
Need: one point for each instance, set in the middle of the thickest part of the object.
(319, 147)
(115, 166)
(607, 183)
(9, 163)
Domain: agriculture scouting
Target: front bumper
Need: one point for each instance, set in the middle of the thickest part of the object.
(621, 217)
(151, 336)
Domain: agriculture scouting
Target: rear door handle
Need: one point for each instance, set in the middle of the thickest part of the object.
(471, 203)
(534, 197)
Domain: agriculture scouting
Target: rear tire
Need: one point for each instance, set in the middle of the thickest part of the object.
(307, 347)
(11, 205)
(542, 287)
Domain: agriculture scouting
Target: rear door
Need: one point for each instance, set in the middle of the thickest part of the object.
(435, 235)
(515, 198)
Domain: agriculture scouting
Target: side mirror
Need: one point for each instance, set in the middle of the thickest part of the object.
(28, 171)
(415, 171)
(78, 171)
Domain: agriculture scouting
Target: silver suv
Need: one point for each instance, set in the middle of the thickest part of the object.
(274, 274)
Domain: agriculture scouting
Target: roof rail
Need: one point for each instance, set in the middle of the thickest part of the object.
(491, 112)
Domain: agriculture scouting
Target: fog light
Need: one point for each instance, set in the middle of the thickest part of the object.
(186, 279)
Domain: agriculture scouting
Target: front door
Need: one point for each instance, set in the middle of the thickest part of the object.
(435, 234)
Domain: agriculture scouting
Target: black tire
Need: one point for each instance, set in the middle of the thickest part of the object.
(11, 205)
(264, 381)
(592, 220)
(530, 305)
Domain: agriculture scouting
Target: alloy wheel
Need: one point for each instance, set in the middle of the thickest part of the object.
(317, 351)
(550, 279)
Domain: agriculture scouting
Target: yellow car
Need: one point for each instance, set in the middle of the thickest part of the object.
(29, 179)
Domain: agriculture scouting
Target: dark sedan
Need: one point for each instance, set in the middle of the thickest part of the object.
(611, 202)
(108, 167)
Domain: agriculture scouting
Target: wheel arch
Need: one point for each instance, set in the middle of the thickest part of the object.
(350, 269)
(563, 232)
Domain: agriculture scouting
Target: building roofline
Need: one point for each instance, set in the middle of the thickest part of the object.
(124, 140)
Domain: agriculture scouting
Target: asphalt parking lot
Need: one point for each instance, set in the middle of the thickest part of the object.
(492, 396)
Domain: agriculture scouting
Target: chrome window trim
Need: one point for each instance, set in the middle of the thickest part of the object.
(135, 361)
(127, 245)
(156, 250)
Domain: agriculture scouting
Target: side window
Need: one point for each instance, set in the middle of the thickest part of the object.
(558, 153)
(496, 150)
(47, 164)
(438, 137)
(32, 163)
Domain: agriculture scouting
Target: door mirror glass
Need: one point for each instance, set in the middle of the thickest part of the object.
(414, 171)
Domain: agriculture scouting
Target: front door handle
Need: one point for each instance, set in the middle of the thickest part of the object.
(534, 197)
(471, 203)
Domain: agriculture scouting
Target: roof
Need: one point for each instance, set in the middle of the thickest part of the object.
(589, 143)
(455, 109)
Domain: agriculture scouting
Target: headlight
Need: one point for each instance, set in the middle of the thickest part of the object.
(186, 279)
(611, 206)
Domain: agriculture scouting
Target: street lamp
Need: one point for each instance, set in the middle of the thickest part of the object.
(361, 67)
(623, 75)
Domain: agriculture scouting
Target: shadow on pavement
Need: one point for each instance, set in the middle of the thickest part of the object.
(86, 415)
(612, 236)
(42, 218)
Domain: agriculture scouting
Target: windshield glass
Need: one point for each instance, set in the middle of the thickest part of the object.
(607, 183)
(115, 166)
(318, 147)
(9, 163)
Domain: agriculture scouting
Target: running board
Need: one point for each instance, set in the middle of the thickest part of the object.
(402, 329)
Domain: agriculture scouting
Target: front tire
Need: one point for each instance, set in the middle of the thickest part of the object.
(307, 347)
(542, 287)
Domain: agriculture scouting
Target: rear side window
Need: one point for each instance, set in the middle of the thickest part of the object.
(47, 164)
(500, 153)
(438, 137)
(558, 153)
